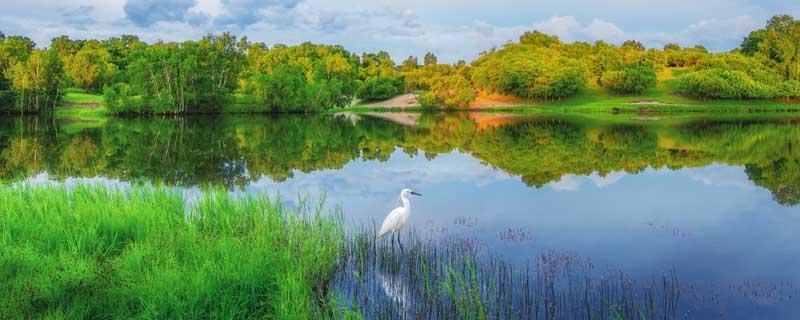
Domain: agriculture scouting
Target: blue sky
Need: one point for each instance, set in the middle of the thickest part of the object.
(451, 29)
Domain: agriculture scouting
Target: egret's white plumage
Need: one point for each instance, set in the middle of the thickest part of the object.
(398, 218)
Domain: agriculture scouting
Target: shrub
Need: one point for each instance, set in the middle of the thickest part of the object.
(119, 99)
(428, 100)
(530, 72)
(380, 88)
(453, 91)
(723, 84)
(284, 89)
(635, 77)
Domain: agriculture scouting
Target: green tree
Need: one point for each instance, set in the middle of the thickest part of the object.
(750, 44)
(529, 71)
(539, 39)
(633, 45)
(90, 68)
(430, 59)
(283, 90)
(782, 45)
(409, 64)
(380, 88)
(36, 81)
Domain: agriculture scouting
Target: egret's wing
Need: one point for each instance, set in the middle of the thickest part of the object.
(391, 221)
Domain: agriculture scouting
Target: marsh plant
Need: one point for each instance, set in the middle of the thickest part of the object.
(449, 277)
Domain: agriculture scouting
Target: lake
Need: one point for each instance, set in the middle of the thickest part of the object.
(710, 199)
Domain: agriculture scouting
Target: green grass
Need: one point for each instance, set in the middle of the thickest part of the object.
(81, 110)
(77, 96)
(99, 253)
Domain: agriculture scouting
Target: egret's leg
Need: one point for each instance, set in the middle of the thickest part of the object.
(393, 240)
(399, 243)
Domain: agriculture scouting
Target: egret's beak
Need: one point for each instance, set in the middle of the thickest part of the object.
(416, 194)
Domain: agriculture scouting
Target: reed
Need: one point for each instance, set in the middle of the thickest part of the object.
(457, 278)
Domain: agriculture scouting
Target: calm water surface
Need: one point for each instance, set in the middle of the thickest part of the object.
(715, 200)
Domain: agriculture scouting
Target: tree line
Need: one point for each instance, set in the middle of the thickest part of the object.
(223, 70)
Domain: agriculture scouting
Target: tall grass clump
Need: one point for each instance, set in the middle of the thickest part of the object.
(91, 252)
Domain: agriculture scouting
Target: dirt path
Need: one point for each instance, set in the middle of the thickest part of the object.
(401, 101)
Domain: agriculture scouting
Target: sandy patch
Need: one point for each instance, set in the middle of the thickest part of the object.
(401, 101)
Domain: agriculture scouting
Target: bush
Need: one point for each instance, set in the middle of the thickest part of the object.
(789, 89)
(119, 99)
(453, 91)
(635, 77)
(380, 88)
(529, 72)
(724, 84)
(428, 100)
(285, 89)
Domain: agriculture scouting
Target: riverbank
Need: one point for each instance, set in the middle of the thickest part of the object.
(661, 99)
(127, 251)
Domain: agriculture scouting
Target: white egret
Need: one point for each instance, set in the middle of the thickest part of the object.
(398, 218)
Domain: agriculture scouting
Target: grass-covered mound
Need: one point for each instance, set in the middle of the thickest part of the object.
(101, 253)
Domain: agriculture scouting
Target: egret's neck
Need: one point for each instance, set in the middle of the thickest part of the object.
(406, 203)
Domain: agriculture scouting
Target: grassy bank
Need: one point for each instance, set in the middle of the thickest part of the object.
(94, 252)
(82, 108)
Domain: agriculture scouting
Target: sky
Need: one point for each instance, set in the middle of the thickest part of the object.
(452, 30)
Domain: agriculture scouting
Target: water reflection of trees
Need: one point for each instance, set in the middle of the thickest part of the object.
(235, 150)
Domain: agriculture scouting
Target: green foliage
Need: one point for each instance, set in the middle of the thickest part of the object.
(320, 76)
(780, 43)
(380, 88)
(529, 71)
(683, 57)
(37, 80)
(101, 252)
(452, 91)
(282, 90)
(750, 44)
(120, 98)
(428, 100)
(90, 68)
(635, 77)
(723, 84)
(430, 59)
(539, 39)
(736, 76)
(180, 77)
(633, 45)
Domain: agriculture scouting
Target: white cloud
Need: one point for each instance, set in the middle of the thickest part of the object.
(402, 28)
(721, 176)
(571, 182)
